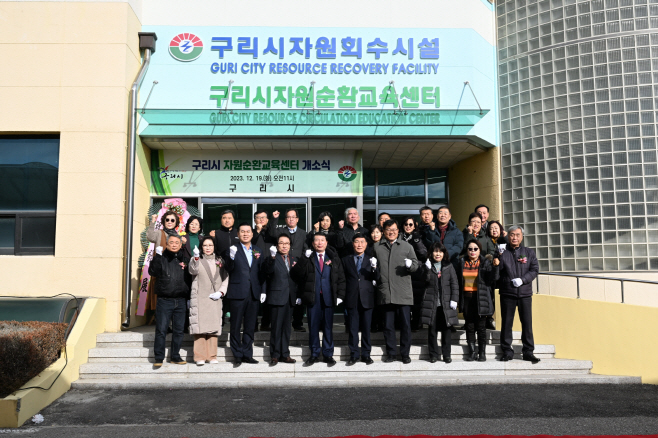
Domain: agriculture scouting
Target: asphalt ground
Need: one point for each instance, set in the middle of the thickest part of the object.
(463, 410)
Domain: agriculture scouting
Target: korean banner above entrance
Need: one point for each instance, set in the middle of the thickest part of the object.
(324, 70)
(207, 172)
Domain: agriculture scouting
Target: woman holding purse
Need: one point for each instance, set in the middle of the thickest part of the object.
(208, 287)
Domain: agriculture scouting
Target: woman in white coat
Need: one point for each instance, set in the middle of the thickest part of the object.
(208, 288)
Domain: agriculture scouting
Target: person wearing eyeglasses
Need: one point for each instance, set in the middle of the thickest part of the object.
(473, 230)
(413, 238)
(477, 276)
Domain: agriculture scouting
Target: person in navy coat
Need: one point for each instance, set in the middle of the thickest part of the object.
(361, 277)
(281, 297)
(322, 280)
(245, 287)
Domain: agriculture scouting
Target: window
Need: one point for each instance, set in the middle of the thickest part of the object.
(28, 200)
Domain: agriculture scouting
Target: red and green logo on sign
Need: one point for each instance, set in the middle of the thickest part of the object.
(347, 173)
(186, 47)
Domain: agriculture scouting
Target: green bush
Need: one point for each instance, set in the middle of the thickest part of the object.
(26, 349)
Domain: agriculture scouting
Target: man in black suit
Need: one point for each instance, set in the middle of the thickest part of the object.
(322, 283)
(297, 248)
(244, 290)
(361, 276)
(281, 297)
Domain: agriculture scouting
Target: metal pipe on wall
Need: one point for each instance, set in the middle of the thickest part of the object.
(146, 42)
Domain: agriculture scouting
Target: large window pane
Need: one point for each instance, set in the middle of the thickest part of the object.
(437, 181)
(29, 167)
(7, 234)
(38, 233)
(369, 186)
(401, 186)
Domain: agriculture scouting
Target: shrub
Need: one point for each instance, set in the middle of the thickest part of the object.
(26, 349)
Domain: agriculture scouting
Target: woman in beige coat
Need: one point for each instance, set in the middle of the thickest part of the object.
(208, 287)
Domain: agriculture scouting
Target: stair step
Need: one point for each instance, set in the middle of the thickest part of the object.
(379, 369)
(348, 381)
(130, 354)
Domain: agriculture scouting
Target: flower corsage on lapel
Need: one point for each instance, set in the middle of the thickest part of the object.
(255, 253)
(218, 263)
(522, 259)
(327, 263)
(182, 265)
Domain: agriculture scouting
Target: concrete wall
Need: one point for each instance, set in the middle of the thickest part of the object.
(599, 331)
(68, 69)
(475, 181)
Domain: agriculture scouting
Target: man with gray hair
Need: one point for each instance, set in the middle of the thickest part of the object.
(518, 269)
(349, 229)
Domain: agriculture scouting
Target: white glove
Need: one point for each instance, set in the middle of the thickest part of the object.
(273, 251)
(298, 302)
(501, 248)
(517, 282)
(374, 283)
(215, 296)
(407, 263)
(196, 252)
(308, 253)
(338, 301)
(373, 262)
(233, 250)
(428, 264)
(453, 305)
(262, 298)
(158, 250)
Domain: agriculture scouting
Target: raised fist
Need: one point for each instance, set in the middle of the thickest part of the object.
(154, 218)
(308, 253)
(432, 225)
(196, 252)
(275, 215)
(341, 224)
(158, 250)
(212, 233)
(273, 251)
(233, 250)
(316, 226)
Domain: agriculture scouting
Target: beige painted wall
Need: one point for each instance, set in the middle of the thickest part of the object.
(475, 181)
(68, 69)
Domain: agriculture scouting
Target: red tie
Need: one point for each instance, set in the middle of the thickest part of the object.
(321, 262)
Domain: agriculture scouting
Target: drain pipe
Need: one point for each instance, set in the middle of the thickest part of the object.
(146, 43)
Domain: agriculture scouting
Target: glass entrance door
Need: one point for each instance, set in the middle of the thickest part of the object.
(244, 208)
(270, 205)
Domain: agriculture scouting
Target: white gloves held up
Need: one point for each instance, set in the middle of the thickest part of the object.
(263, 297)
(428, 264)
(373, 262)
(158, 250)
(453, 305)
(196, 252)
(215, 296)
(338, 301)
(308, 253)
(233, 250)
(517, 282)
(407, 263)
(501, 248)
(298, 302)
(273, 251)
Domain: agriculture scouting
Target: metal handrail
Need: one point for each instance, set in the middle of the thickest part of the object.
(595, 277)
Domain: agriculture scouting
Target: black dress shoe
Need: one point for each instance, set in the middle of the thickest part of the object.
(238, 362)
(288, 360)
(447, 359)
(352, 361)
(506, 358)
(406, 360)
(367, 360)
(389, 359)
(249, 360)
(531, 358)
(273, 362)
(329, 361)
(310, 361)
(433, 359)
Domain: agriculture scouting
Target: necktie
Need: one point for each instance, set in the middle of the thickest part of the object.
(321, 262)
(285, 259)
(358, 264)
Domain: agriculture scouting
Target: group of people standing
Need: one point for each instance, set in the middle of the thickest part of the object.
(388, 277)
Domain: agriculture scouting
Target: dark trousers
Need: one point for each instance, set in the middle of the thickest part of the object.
(359, 319)
(474, 322)
(415, 310)
(377, 319)
(298, 316)
(439, 326)
(244, 310)
(174, 310)
(508, 307)
(266, 311)
(403, 314)
(280, 331)
(321, 317)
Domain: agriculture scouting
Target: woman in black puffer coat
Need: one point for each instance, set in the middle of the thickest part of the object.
(439, 306)
(477, 277)
(413, 238)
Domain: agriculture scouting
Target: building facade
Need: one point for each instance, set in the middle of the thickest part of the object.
(578, 136)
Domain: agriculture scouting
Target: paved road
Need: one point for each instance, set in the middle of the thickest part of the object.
(468, 410)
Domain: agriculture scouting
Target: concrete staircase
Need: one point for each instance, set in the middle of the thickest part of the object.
(125, 360)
